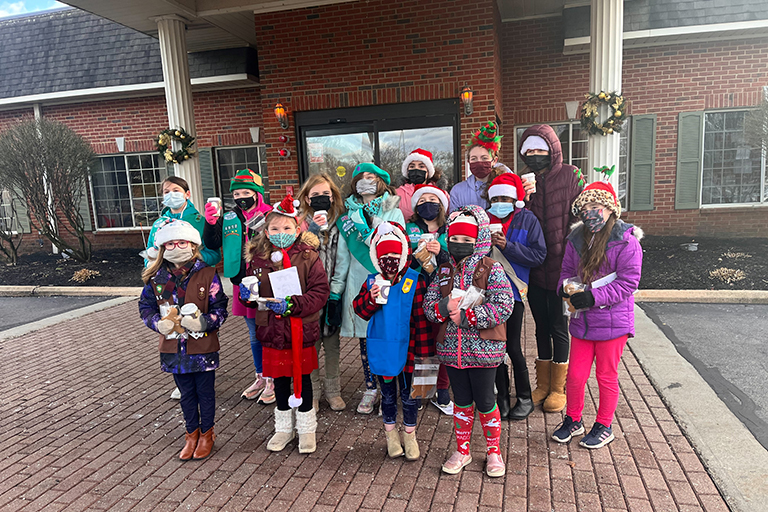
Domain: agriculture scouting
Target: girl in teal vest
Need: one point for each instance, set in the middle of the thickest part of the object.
(230, 231)
(398, 330)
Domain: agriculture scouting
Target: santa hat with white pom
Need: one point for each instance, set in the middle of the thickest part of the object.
(509, 185)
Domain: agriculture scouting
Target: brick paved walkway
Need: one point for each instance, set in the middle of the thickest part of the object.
(88, 425)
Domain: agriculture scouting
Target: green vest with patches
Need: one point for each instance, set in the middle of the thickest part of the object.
(232, 244)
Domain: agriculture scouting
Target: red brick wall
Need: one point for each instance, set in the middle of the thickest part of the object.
(372, 53)
(665, 80)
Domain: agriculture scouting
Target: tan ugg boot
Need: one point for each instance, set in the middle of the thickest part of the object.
(283, 430)
(333, 394)
(394, 448)
(543, 374)
(306, 426)
(411, 446)
(555, 402)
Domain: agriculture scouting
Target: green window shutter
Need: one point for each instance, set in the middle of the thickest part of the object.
(689, 140)
(21, 215)
(642, 162)
(206, 172)
(85, 209)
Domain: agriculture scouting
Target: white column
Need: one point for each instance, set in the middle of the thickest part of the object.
(605, 56)
(178, 95)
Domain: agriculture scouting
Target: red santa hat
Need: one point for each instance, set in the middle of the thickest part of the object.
(420, 155)
(420, 190)
(463, 224)
(600, 192)
(287, 207)
(509, 185)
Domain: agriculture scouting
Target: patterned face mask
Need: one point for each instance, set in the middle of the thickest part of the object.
(389, 265)
(593, 220)
(282, 240)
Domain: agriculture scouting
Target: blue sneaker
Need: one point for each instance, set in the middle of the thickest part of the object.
(567, 429)
(599, 436)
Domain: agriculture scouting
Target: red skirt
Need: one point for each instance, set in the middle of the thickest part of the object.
(279, 363)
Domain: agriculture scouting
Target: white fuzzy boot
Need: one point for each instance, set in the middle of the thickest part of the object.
(306, 426)
(283, 430)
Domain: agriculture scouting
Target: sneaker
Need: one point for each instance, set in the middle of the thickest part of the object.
(419, 404)
(446, 409)
(567, 429)
(599, 436)
(456, 463)
(176, 394)
(254, 390)
(268, 395)
(368, 401)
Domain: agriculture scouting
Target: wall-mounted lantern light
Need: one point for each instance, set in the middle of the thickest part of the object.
(281, 116)
(466, 99)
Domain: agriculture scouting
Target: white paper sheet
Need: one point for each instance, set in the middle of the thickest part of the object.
(285, 283)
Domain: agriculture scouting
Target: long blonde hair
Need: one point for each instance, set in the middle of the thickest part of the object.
(152, 269)
(337, 204)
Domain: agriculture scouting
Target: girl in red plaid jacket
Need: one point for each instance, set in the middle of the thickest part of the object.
(398, 330)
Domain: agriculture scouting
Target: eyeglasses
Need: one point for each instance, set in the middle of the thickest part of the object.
(181, 244)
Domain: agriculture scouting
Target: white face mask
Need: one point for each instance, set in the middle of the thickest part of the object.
(178, 255)
(367, 186)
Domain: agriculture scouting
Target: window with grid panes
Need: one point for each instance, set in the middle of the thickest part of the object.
(229, 160)
(8, 222)
(126, 190)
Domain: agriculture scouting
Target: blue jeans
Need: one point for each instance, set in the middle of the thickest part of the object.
(389, 400)
(255, 344)
(198, 399)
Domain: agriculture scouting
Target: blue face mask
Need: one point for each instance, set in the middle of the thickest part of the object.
(282, 240)
(502, 210)
(174, 200)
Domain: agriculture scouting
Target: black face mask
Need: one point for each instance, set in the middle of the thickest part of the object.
(417, 176)
(245, 203)
(428, 211)
(459, 250)
(537, 162)
(320, 203)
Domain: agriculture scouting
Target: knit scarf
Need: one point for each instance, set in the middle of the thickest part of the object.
(356, 210)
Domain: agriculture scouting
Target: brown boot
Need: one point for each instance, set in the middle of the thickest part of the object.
(555, 402)
(205, 444)
(543, 369)
(190, 443)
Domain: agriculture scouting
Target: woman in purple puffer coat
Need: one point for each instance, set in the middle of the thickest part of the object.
(604, 253)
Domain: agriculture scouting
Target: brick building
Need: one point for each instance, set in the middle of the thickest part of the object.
(373, 80)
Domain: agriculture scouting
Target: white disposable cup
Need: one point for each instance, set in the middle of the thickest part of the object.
(457, 293)
(252, 284)
(324, 213)
(427, 237)
(217, 202)
(384, 287)
(495, 228)
(190, 310)
(531, 176)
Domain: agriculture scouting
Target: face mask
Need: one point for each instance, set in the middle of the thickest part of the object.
(283, 240)
(593, 220)
(245, 203)
(320, 203)
(481, 169)
(417, 176)
(366, 186)
(459, 250)
(178, 255)
(537, 162)
(389, 265)
(428, 211)
(174, 200)
(502, 210)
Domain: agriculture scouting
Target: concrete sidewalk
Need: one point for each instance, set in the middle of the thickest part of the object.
(89, 426)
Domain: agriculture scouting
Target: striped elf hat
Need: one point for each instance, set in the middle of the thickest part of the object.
(486, 137)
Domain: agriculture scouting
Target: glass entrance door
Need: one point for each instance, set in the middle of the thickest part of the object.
(337, 152)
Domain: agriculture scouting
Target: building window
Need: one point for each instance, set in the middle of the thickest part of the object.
(733, 172)
(126, 190)
(232, 159)
(8, 220)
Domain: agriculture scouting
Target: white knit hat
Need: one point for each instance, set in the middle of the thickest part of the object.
(420, 155)
(176, 230)
(534, 142)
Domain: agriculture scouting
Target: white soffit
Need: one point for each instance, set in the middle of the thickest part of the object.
(678, 35)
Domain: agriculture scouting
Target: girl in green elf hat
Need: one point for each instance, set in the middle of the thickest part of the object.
(371, 202)
(231, 231)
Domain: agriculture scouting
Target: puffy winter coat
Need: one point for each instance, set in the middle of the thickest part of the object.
(613, 314)
(556, 189)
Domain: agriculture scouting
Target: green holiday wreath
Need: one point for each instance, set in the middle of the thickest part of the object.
(164, 146)
(591, 109)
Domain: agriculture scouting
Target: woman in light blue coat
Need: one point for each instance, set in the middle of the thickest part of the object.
(372, 202)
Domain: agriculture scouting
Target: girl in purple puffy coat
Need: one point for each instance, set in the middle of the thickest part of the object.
(604, 253)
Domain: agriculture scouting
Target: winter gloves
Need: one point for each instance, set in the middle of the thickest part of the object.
(280, 307)
(333, 313)
(583, 300)
(211, 213)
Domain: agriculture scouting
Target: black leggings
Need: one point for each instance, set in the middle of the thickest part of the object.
(283, 392)
(514, 329)
(473, 385)
(551, 324)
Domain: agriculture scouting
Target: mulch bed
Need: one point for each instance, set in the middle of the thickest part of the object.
(666, 265)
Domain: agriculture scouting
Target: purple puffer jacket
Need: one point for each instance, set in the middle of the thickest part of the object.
(613, 314)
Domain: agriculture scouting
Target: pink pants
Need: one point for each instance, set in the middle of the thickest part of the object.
(606, 356)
